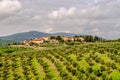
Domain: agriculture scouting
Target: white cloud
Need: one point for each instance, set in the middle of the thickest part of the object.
(9, 6)
(62, 12)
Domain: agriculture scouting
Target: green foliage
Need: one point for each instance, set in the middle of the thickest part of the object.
(52, 37)
(70, 62)
(90, 38)
(60, 39)
(10, 49)
(70, 43)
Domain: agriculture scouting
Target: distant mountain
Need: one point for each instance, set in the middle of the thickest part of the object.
(24, 36)
(19, 37)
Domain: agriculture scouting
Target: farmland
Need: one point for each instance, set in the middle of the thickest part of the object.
(85, 61)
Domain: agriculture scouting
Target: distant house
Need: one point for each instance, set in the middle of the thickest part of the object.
(46, 38)
(25, 42)
(81, 38)
(72, 39)
(38, 40)
(78, 39)
(66, 38)
(54, 41)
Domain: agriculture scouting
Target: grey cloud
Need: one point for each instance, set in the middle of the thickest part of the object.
(8, 7)
(96, 17)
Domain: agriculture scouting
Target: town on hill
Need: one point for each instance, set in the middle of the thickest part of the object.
(60, 39)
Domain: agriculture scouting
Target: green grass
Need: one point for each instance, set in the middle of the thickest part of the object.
(52, 70)
(115, 75)
(83, 64)
(96, 67)
(11, 49)
(73, 57)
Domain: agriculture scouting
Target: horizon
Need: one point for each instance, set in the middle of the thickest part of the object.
(89, 17)
(77, 34)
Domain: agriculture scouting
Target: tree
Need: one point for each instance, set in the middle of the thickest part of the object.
(89, 38)
(118, 39)
(90, 70)
(97, 38)
(60, 39)
(52, 37)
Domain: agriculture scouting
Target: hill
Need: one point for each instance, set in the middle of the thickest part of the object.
(24, 36)
(30, 35)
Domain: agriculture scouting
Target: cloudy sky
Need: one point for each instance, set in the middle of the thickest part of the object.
(95, 17)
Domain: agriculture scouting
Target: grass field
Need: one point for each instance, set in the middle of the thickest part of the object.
(87, 61)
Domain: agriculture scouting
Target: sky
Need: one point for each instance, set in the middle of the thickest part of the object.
(93, 17)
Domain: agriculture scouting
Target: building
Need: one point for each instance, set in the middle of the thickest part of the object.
(46, 38)
(66, 38)
(38, 40)
(54, 41)
(78, 39)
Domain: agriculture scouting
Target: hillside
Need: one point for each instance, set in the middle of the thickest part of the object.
(30, 35)
(24, 36)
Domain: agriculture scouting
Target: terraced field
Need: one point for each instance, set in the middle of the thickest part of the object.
(89, 61)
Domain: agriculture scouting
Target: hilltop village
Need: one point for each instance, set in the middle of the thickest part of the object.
(53, 40)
